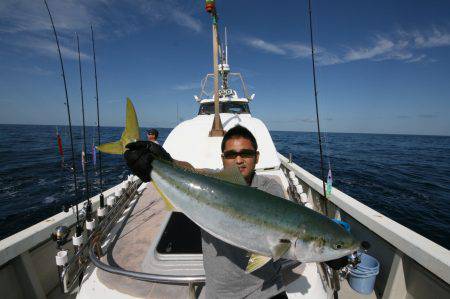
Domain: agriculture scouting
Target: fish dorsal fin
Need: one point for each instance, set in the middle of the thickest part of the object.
(256, 261)
(280, 249)
(230, 174)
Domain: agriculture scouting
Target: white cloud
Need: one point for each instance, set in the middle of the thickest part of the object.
(187, 86)
(24, 24)
(417, 59)
(31, 16)
(166, 11)
(34, 70)
(382, 46)
(401, 45)
(264, 46)
(297, 50)
(431, 39)
(185, 20)
(47, 47)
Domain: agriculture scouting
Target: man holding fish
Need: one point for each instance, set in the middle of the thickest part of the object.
(225, 264)
(244, 229)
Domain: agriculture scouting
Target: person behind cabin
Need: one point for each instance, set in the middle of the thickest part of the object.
(152, 135)
(225, 264)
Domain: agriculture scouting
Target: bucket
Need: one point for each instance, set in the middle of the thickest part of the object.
(362, 278)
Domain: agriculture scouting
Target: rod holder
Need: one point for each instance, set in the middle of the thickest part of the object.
(90, 225)
(61, 258)
(118, 193)
(110, 200)
(78, 240)
(101, 212)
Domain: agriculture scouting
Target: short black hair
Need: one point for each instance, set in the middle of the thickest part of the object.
(153, 132)
(239, 131)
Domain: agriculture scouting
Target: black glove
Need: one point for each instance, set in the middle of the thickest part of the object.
(140, 155)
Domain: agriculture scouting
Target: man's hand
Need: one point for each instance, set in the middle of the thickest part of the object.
(140, 155)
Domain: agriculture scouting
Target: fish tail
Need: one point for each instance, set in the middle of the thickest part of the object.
(130, 134)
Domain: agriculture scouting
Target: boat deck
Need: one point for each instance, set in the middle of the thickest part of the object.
(129, 244)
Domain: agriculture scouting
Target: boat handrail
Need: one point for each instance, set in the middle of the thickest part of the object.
(159, 278)
(427, 253)
(32, 236)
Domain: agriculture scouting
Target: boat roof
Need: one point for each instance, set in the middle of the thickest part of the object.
(189, 141)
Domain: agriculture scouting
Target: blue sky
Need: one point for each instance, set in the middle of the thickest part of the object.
(383, 66)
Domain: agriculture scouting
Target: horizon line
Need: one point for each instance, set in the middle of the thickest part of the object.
(171, 128)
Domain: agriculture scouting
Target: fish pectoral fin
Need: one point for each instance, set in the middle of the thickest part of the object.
(169, 205)
(256, 261)
(115, 148)
(230, 174)
(280, 249)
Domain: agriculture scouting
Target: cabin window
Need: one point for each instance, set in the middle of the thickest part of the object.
(225, 107)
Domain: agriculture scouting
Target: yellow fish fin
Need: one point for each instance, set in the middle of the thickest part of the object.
(169, 205)
(130, 134)
(115, 148)
(256, 261)
(281, 249)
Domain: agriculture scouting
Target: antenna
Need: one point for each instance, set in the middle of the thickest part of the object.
(226, 46)
(102, 200)
(85, 170)
(79, 229)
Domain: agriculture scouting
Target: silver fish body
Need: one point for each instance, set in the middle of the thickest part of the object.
(252, 219)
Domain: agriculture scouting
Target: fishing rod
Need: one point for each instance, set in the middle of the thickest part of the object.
(83, 160)
(334, 279)
(79, 228)
(102, 200)
(317, 105)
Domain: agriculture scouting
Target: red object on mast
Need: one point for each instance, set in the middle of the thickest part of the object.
(210, 6)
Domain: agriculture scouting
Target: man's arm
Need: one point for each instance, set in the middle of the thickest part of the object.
(140, 155)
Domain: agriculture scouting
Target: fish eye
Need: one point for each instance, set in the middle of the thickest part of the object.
(338, 245)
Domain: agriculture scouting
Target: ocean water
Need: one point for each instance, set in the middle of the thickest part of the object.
(404, 177)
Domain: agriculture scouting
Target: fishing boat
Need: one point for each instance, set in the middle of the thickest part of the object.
(135, 248)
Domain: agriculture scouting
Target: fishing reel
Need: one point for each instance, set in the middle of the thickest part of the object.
(350, 260)
(342, 265)
(60, 235)
(339, 269)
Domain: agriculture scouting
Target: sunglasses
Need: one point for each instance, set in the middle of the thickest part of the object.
(245, 153)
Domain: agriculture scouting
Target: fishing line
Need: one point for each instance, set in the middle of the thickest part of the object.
(102, 201)
(78, 227)
(83, 160)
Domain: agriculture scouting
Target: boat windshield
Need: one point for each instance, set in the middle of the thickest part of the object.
(225, 107)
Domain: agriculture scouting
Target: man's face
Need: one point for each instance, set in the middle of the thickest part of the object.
(243, 155)
(151, 137)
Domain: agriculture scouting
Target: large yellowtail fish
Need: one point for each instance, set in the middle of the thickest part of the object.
(222, 204)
